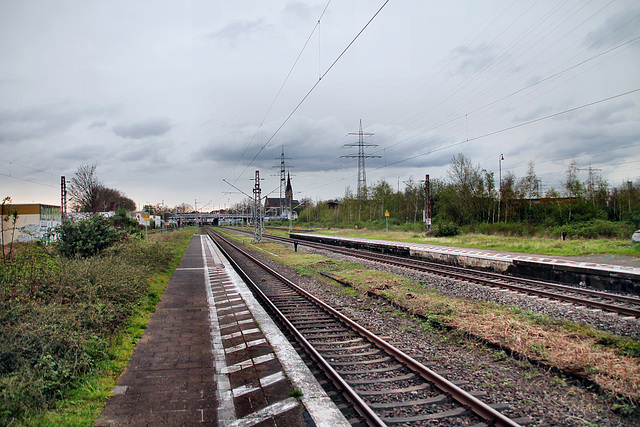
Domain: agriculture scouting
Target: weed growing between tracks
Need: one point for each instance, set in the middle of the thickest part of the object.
(609, 361)
(70, 326)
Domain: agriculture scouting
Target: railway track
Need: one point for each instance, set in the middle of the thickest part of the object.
(384, 385)
(621, 304)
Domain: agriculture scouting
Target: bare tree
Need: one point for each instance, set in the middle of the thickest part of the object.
(573, 186)
(414, 199)
(88, 194)
(8, 214)
(84, 189)
(508, 194)
(528, 186)
(110, 199)
(464, 175)
(468, 183)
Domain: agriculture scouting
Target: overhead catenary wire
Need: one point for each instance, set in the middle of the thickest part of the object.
(443, 117)
(286, 79)
(505, 97)
(557, 75)
(27, 180)
(310, 90)
(304, 98)
(521, 124)
(10, 175)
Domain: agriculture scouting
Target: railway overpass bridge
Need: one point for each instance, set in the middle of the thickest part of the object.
(211, 218)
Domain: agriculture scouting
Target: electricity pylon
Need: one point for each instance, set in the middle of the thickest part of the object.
(361, 156)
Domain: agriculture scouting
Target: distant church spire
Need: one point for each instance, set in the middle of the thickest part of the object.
(288, 192)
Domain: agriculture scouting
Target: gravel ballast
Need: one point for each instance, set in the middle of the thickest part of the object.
(545, 395)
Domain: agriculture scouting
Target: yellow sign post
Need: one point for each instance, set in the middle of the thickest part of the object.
(386, 217)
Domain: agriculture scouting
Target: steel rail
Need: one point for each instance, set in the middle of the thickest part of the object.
(478, 407)
(360, 406)
(494, 279)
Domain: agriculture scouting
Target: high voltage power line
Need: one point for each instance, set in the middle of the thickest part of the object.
(492, 133)
(517, 126)
(538, 81)
(518, 50)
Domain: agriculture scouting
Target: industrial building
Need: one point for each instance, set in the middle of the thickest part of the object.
(33, 222)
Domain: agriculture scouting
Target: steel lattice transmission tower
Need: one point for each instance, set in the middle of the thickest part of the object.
(361, 156)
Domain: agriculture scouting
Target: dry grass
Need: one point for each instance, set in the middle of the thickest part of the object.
(565, 349)
(553, 344)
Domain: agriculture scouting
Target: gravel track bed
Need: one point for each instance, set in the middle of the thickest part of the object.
(605, 321)
(529, 391)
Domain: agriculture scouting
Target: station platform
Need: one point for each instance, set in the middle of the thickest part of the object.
(212, 356)
(608, 274)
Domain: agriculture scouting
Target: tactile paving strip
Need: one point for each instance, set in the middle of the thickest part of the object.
(252, 387)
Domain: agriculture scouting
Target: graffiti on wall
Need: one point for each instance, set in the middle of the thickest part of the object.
(32, 232)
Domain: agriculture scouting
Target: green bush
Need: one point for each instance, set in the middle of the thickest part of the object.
(58, 314)
(595, 229)
(87, 237)
(415, 227)
(517, 229)
(447, 229)
(123, 222)
(592, 229)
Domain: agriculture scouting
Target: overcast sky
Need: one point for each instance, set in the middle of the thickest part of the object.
(170, 98)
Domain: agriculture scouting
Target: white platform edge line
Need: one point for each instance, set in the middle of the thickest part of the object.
(226, 410)
(321, 408)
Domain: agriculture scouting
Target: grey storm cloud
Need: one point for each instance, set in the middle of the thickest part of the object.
(618, 29)
(314, 143)
(237, 30)
(143, 129)
(98, 124)
(610, 114)
(81, 153)
(609, 142)
(473, 59)
(35, 122)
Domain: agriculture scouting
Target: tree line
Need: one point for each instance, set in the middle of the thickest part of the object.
(469, 195)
